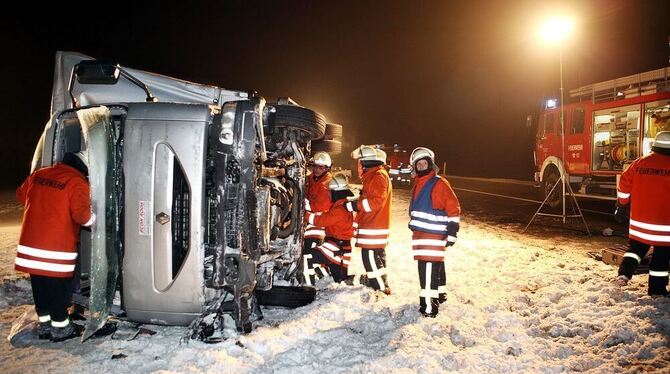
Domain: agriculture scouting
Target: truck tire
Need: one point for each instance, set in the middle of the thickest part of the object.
(332, 147)
(306, 120)
(291, 297)
(551, 177)
(333, 131)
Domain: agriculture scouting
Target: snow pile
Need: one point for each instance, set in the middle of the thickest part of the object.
(516, 303)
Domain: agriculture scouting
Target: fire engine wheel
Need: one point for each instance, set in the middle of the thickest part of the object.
(290, 297)
(303, 119)
(333, 147)
(548, 182)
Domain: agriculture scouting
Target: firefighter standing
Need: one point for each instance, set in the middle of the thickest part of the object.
(317, 200)
(373, 214)
(434, 220)
(56, 204)
(335, 252)
(646, 184)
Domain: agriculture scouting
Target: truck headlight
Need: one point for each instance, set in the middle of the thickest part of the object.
(227, 123)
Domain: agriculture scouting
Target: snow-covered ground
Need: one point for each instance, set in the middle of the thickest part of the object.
(516, 303)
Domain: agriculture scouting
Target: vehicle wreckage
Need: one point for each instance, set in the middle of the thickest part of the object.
(198, 193)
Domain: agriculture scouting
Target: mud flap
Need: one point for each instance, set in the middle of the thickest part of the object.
(96, 126)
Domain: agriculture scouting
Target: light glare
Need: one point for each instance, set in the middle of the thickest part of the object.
(556, 29)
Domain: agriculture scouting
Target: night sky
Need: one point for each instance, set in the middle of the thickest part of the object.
(457, 76)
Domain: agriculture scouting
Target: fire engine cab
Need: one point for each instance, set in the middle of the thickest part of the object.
(607, 125)
(397, 161)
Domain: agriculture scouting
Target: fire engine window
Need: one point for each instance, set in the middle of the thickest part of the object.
(656, 119)
(615, 137)
(577, 121)
(548, 123)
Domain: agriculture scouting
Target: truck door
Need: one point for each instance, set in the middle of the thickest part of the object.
(576, 143)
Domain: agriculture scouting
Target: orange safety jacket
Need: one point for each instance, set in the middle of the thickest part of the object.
(338, 221)
(339, 224)
(646, 184)
(429, 246)
(56, 202)
(373, 217)
(317, 200)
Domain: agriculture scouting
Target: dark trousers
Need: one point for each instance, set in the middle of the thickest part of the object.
(658, 267)
(52, 296)
(316, 261)
(431, 277)
(374, 262)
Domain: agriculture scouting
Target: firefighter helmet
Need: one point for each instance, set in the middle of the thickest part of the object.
(368, 153)
(662, 141)
(83, 156)
(419, 153)
(322, 159)
(338, 183)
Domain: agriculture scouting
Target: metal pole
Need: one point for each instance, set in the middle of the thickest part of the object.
(560, 63)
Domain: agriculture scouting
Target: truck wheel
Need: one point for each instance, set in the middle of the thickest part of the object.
(303, 119)
(550, 179)
(333, 147)
(291, 297)
(333, 131)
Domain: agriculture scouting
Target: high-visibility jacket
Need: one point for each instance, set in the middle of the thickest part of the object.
(56, 203)
(317, 200)
(434, 217)
(373, 208)
(337, 221)
(646, 184)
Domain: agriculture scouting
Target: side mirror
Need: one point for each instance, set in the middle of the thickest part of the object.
(97, 72)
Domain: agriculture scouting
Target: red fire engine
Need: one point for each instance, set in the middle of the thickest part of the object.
(607, 126)
(397, 161)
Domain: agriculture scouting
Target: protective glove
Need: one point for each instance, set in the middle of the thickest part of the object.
(621, 213)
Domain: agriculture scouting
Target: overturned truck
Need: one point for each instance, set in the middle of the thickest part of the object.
(198, 191)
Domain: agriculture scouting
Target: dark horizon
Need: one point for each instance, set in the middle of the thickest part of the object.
(457, 78)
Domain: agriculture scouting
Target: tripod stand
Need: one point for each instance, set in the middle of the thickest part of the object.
(566, 190)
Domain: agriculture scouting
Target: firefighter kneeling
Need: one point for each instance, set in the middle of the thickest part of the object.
(335, 252)
(434, 220)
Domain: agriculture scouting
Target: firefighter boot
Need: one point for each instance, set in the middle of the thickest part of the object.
(44, 330)
(69, 331)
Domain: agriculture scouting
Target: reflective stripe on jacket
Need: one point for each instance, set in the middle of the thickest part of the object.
(317, 200)
(646, 185)
(56, 204)
(373, 215)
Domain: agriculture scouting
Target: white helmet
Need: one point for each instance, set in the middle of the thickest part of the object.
(338, 183)
(322, 159)
(368, 153)
(661, 141)
(83, 156)
(419, 153)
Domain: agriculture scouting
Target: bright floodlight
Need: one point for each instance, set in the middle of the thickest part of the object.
(556, 29)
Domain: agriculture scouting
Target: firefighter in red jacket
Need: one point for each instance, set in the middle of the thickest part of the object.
(646, 185)
(335, 252)
(56, 204)
(373, 214)
(317, 200)
(434, 220)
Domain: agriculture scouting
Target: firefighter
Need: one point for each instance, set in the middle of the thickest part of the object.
(317, 200)
(373, 214)
(335, 252)
(56, 204)
(434, 220)
(646, 186)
